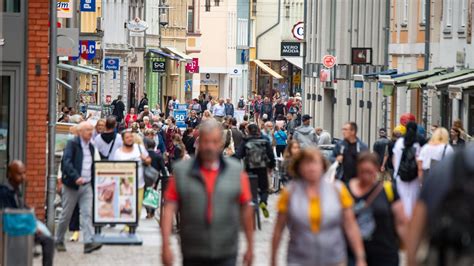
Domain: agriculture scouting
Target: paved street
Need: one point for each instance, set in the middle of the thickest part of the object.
(149, 253)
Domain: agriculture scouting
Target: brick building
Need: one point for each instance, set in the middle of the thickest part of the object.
(24, 93)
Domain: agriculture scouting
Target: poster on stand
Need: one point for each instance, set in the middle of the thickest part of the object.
(115, 192)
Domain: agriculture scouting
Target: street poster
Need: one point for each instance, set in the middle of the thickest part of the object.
(180, 116)
(115, 192)
(93, 114)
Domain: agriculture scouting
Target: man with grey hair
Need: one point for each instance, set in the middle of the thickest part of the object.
(78, 172)
(324, 138)
(211, 212)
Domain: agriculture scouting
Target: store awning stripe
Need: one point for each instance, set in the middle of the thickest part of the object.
(77, 69)
(93, 69)
(424, 82)
(388, 72)
(462, 86)
(418, 75)
(296, 61)
(178, 53)
(267, 69)
(159, 52)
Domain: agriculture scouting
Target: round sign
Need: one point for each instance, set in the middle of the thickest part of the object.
(329, 61)
(298, 31)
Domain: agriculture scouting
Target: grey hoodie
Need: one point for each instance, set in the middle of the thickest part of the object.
(305, 136)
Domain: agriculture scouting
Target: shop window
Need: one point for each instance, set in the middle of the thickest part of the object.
(11, 6)
(4, 122)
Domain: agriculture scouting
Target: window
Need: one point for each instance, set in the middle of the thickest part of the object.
(208, 5)
(423, 12)
(449, 13)
(10, 6)
(405, 13)
(5, 88)
(254, 8)
(191, 18)
(242, 32)
(463, 16)
(216, 2)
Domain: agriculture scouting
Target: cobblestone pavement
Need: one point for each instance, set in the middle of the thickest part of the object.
(149, 252)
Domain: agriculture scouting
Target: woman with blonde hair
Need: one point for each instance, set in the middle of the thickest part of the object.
(436, 149)
(318, 215)
(206, 115)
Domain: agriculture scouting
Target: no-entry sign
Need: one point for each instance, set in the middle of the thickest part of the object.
(329, 61)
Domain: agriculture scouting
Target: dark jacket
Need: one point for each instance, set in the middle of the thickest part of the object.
(241, 151)
(71, 164)
(157, 162)
(7, 198)
(119, 108)
(237, 137)
(339, 149)
(229, 109)
(380, 146)
(267, 108)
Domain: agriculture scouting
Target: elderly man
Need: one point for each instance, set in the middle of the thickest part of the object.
(212, 195)
(324, 138)
(219, 111)
(78, 172)
(10, 197)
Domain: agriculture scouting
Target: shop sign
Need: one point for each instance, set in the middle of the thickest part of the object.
(111, 63)
(87, 6)
(329, 61)
(65, 8)
(298, 31)
(88, 50)
(297, 79)
(137, 27)
(290, 49)
(158, 65)
(235, 71)
(193, 67)
(180, 117)
(68, 42)
(188, 85)
(361, 56)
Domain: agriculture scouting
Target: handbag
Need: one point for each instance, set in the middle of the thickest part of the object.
(150, 174)
(364, 214)
(152, 198)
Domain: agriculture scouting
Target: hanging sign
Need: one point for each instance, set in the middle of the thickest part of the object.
(158, 65)
(65, 8)
(193, 67)
(111, 63)
(298, 31)
(137, 27)
(88, 49)
(87, 6)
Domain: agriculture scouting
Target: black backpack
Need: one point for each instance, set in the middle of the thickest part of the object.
(408, 169)
(453, 225)
(241, 103)
(256, 154)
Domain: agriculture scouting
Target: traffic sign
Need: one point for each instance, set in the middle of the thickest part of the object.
(111, 63)
(329, 61)
(298, 31)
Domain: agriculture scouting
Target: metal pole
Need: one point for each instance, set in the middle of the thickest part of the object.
(51, 185)
(427, 33)
(145, 60)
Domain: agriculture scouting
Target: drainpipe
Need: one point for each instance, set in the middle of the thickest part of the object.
(305, 47)
(269, 29)
(425, 98)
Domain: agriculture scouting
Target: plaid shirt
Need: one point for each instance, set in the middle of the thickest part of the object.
(106, 110)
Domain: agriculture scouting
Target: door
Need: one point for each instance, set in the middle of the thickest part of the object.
(5, 88)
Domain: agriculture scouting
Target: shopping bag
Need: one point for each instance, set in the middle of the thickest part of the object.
(151, 198)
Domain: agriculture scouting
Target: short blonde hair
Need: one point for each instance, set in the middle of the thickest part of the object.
(440, 136)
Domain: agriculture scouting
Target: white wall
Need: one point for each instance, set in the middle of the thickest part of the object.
(115, 14)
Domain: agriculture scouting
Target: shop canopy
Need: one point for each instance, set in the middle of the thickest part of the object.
(389, 72)
(267, 69)
(161, 53)
(452, 81)
(88, 70)
(175, 51)
(418, 84)
(401, 80)
(297, 61)
(463, 86)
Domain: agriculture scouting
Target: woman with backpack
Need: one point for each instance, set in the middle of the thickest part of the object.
(437, 148)
(379, 213)
(318, 214)
(407, 173)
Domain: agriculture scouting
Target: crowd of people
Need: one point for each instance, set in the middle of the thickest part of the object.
(347, 207)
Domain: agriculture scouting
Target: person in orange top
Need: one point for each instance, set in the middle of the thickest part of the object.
(318, 214)
(212, 195)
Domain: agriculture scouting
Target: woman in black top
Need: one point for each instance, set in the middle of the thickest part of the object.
(456, 141)
(379, 213)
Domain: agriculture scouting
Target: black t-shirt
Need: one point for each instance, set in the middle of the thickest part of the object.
(349, 161)
(279, 109)
(377, 225)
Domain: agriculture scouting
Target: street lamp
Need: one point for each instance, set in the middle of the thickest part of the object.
(163, 20)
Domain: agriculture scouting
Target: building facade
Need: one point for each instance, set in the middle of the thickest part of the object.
(355, 33)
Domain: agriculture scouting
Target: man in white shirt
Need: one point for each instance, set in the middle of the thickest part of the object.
(219, 111)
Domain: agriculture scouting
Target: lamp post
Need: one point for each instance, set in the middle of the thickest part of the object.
(163, 20)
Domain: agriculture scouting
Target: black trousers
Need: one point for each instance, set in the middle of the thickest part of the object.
(231, 261)
(262, 176)
(280, 149)
(74, 224)
(47, 246)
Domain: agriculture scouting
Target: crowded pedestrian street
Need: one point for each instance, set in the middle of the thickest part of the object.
(237, 132)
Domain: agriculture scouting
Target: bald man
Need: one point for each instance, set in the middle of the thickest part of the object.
(10, 197)
(77, 170)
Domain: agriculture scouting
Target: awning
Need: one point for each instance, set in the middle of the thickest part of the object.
(389, 72)
(178, 53)
(418, 84)
(78, 69)
(93, 68)
(452, 81)
(267, 69)
(297, 61)
(159, 52)
(462, 86)
(402, 78)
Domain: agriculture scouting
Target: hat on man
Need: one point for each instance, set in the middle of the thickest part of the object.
(306, 117)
